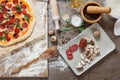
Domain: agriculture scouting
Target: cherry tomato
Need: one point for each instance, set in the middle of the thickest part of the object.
(9, 5)
(1, 33)
(24, 11)
(7, 38)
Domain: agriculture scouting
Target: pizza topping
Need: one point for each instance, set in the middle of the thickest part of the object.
(7, 38)
(15, 1)
(23, 6)
(15, 36)
(24, 25)
(24, 11)
(26, 16)
(9, 5)
(20, 2)
(2, 38)
(17, 20)
(2, 26)
(3, 3)
(18, 8)
(4, 10)
(13, 8)
(17, 30)
(1, 33)
(10, 29)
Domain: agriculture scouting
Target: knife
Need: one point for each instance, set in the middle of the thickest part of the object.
(47, 54)
(55, 13)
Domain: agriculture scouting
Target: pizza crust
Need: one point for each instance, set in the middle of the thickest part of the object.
(27, 34)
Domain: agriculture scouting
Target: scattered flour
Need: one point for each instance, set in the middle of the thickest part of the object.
(58, 63)
(115, 7)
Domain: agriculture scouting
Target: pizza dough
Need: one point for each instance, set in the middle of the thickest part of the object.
(16, 21)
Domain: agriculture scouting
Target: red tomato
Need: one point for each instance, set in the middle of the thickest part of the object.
(17, 30)
(3, 3)
(83, 43)
(24, 25)
(1, 15)
(1, 33)
(13, 8)
(24, 11)
(23, 6)
(7, 38)
(2, 26)
(4, 10)
(15, 1)
(9, 5)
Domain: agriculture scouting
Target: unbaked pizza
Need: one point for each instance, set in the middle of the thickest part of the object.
(16, 21)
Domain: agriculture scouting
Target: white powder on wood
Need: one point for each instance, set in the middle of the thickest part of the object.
(58, 63)
(115, 7)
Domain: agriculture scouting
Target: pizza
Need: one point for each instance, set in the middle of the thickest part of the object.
(16, 21)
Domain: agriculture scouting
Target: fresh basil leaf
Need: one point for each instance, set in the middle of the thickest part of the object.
(18, 25)
(26, 18)
(2, 38)
(18, 8)
(65, 29)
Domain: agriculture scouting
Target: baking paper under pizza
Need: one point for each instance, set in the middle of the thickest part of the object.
(16, 21)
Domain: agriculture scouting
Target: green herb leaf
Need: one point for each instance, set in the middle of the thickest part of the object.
(18, 25)
(26, 18)
(2, 38)
(18, 8)
(65, 29)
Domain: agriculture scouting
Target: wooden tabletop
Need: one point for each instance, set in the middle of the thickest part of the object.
(107, 69)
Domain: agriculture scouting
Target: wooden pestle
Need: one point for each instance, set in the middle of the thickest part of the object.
(97, 9)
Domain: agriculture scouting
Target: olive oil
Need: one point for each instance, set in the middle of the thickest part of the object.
(75, 3)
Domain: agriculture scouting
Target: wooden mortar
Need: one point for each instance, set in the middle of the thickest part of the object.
(85, 15)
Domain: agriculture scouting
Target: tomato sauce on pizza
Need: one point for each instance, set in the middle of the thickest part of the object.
(15, 20)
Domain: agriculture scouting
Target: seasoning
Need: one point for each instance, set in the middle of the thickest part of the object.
(76, 20)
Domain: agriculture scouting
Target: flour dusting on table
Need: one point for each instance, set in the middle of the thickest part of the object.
(28, 53)
(115, 7)
(58, 63)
